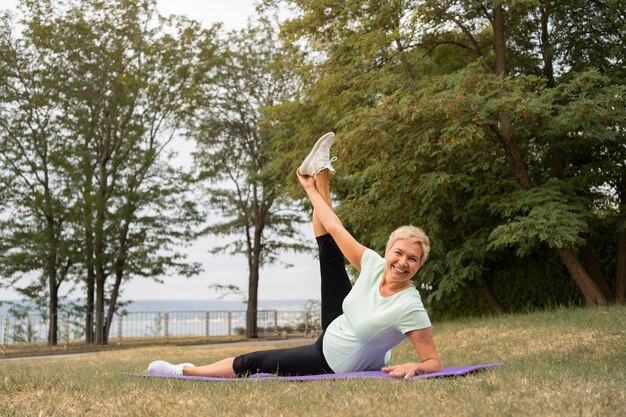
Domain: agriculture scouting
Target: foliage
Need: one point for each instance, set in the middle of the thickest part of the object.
(542, 215)
(484, 123)
(94, 93)
(496, 126)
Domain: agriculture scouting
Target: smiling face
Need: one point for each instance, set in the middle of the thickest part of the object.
(403, 260)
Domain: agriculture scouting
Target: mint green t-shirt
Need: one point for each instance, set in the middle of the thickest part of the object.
(362, 337)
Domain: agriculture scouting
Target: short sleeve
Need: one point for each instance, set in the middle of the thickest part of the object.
(372, 265)
(415, 317)
(370, 259)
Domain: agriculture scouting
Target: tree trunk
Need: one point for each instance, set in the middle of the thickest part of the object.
(51, 271)
(513, 152)
(255, 265)
(53, 311)
(547, 51)
(89, 243)
(490, 297)
(89, 308)
(91, 279)
(589, 260)
(594, 270)
(620, 270)
(590, 290)
(620, 259)
(119, 274)
(253, 290)
(120, 264)
(251, 314)
(99, 252)
(499, 39)
(509, 143)
(99, 333)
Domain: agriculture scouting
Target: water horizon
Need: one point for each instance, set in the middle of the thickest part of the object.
(170, 305)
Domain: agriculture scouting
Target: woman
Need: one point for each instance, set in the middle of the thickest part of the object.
(362, 323)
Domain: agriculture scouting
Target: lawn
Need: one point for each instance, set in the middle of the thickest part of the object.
(566, 362)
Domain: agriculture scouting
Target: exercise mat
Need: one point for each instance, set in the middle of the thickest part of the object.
(447, 372)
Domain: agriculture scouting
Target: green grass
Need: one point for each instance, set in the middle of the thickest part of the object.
(567, 362)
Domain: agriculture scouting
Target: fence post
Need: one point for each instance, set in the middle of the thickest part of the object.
(167, 326)
(120, 317)
(206, 325)
(230, 325)
(275, 322)
(5, 338)
(66, 329)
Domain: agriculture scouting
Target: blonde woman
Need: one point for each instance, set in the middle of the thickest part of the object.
(361, 323)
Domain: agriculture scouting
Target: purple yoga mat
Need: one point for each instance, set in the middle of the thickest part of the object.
(459, 370)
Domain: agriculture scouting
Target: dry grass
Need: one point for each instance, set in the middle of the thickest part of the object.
(559, 363)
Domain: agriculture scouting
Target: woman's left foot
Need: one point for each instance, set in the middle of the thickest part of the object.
(162, 368)
(319, 157)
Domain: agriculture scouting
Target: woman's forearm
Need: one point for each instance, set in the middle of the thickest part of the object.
(430, 365)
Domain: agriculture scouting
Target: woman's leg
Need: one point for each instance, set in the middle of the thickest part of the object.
(335, 281)
(301, 360)
(322, 183)
(223, 368)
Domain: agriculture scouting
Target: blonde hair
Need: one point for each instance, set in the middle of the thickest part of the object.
(412, 234)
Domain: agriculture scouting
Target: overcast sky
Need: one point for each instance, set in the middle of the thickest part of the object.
(300, 282)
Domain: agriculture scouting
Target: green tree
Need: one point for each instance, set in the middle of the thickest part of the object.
(36, 236)
(553, 216)
(235, 153)
(124, 80)
(474, 120)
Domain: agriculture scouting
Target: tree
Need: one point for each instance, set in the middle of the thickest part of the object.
(474, 120)
(235, 153)
(124, 81)
(500, 17)
(36, 236)
(364, 84)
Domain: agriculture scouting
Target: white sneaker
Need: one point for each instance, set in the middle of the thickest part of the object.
(319, 157)
(162, 368)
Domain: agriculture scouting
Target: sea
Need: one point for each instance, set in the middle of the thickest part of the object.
(149, 318)
(190, 305)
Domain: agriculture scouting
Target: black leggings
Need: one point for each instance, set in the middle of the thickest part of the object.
(306, 360)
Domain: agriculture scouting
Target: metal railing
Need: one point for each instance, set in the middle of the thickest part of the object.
(31, 331)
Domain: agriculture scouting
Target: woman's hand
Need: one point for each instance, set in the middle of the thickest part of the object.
(307, 181)
(405, 370)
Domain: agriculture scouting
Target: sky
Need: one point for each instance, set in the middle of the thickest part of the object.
(276, 282)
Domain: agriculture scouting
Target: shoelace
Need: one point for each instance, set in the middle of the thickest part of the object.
(326, 161)
(177, 370)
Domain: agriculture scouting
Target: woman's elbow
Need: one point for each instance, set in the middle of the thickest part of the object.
(334, 227)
